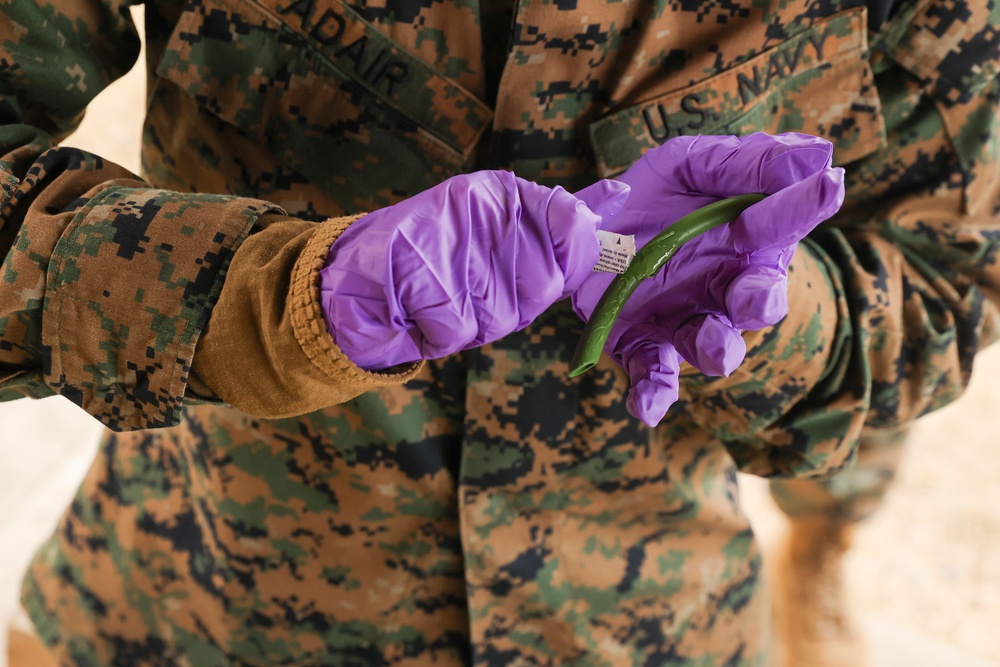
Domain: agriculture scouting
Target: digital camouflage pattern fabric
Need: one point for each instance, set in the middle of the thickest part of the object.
(490, 511)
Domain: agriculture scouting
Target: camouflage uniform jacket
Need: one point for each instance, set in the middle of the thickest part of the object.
(488, 511)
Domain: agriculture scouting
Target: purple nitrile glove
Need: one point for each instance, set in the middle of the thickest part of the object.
(730, 279)
(458, 266)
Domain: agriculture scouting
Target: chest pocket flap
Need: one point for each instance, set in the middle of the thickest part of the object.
(818, 82)
(330, 95)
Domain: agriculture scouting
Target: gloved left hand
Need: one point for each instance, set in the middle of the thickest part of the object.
(459, 265)
(731, 278)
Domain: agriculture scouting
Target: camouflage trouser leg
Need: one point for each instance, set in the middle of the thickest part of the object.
(852, 494)
(649, 561)
(490, 512)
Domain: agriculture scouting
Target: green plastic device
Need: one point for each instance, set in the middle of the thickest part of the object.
(647, 261)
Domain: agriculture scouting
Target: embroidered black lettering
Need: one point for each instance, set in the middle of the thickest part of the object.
(355, 51)
(690, 104)
(659, 134)
(303, 9)
(793, 62)
(817, 42)
(395, 72)
(749, 89)
(375, 80)
(328, 37)
(375, 62)
(775, 70)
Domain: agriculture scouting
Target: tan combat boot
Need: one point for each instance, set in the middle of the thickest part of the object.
(811, 618)
(24, 650)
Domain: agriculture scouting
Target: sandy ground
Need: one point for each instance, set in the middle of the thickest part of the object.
(924, 572)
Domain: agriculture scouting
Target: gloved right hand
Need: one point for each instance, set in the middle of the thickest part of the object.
(460, 265)
(729, 279)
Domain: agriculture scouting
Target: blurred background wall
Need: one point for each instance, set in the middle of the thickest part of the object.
(924, 573)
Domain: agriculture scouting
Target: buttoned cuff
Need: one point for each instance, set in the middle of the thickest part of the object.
(129, 289)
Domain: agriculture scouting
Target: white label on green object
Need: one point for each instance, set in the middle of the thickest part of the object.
(617, 251)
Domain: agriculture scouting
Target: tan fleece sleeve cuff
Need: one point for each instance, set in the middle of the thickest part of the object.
(266, 350)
